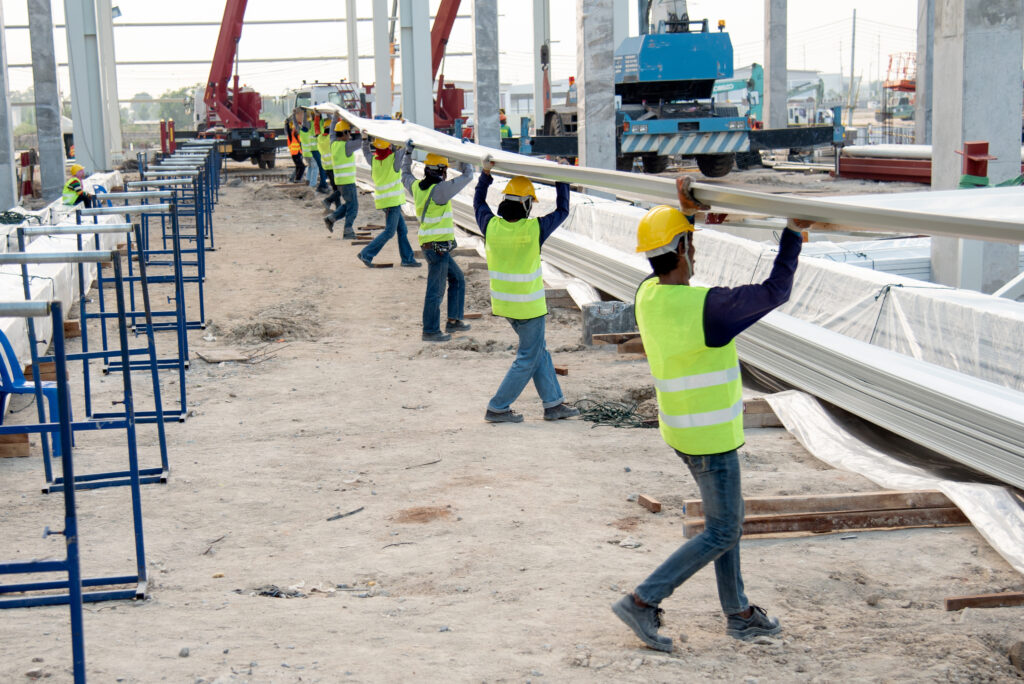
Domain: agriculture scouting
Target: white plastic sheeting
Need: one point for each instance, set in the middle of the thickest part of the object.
(992, 509)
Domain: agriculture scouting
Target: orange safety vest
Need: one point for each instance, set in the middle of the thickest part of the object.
(294, 146)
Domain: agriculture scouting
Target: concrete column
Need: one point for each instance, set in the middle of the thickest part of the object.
(486, 86)
(108, 72)
(44, 80)
(8, 164)
(541, 37)
(979, 49)
(776, 79)
(595, 83)
(352, 44)
(87, 109)
(620, 22)
(417, 86)
(925, 56)
(381, 60)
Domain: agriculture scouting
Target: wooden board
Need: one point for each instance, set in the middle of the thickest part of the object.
(220, 355)
(861, 501)
(472, 316)
(1009, 598)
(14, 446)
(561, 370)
(632, 346)
(357, 241)
(757, 413)
(650, 503)
(374, 264)
(839, 520)
(47, 371)
(72, 329)
(613, 338)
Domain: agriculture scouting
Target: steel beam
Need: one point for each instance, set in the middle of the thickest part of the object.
(417, 91)
(47, 96)
(352, 42)
(595, 83)
(541, 62)
(382, 95)
(108, 73)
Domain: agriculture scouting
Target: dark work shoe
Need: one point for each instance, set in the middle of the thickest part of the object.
(758, 624)
(644, 621)
(509, 416)
(329, 222)
(561, 411)
(327, 203)
(349, 235)
(436, 337)
(366, 262)
(457, 326)
(411, 264)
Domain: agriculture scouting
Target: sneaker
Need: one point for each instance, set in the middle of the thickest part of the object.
(349, 235)
(509, 416)
(561, 411)
(329, 222)
(412, 264)
(758, 624)
(366, 262)
(457, 326)
(436, 337)
(644, 621)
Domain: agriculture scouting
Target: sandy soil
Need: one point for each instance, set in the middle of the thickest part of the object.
(479, 552)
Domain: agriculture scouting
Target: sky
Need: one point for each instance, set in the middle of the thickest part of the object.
(819, 38)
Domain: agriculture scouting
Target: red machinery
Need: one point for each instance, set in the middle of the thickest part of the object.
(450, 100)
(233, 115)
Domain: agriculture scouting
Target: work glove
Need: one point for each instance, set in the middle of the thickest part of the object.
(465, 167)
(409, 145)
(689, 204)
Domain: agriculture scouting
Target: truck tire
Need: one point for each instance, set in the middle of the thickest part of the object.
(624, 163)
(262, 164)
(715, 165)
(748, 160)
(655, 164)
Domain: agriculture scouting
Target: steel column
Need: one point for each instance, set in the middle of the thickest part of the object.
(8, 173)
(417, 98)
(776, 77)
(91, 150)
(381, 60)
(595, 83)
(486, 84)
(44, 81)
(352, 44)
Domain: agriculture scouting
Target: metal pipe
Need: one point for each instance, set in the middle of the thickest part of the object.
(140, 194)
(58, 257)
(24, 309)
(128, 209)
(84, 229)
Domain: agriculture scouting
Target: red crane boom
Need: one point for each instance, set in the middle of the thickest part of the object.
(239, 108)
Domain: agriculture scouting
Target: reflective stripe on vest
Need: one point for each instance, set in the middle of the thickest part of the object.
(513, 264)
(387, 183)
(700, 394)
(323, 146)
(436, 223)
(69, 196)
(306, 140)
(344, 165)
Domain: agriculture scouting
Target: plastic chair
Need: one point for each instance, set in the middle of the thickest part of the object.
(12, 381)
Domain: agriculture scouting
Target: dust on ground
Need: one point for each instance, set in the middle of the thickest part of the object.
(356, 415)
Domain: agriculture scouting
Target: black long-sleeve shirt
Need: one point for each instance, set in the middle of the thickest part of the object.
(548, 223)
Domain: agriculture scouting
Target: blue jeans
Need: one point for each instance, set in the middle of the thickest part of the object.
(532, 361)
(318, 179)
(349, 206)
(312, 173)
(394, 223)
(441, 267)
(718, 477)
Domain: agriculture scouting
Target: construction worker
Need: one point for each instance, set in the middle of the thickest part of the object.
(688, 334)
(513, 243)
(293, 130)
(323, 148)
(506, 132)
(74, 193)
(308, 145)
(386, 170)
(344, 197)
(317, 180)
(433, 199)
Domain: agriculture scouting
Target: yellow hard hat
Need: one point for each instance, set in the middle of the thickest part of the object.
(520, 186)
(342, 125)
(75, 168)
(658, 229)
(435, 160)
(381, 143)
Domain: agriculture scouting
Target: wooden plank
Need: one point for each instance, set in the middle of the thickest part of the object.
(650, 503)
(839, 520)
(47, 371)
(21, 438)
(359, 242)
(374, 264)
(1003, 600)
(220, 355)
(613, 338)
(474, 315)
(72, 329)
(561, 370)
(14, 446)
(757, 413)
(632, 346)
(823, 503)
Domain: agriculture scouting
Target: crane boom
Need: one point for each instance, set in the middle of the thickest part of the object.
(220, 108)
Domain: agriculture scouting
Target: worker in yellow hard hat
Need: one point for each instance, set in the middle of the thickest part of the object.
(344, 198)
(513, 241)
(386, 171)
(74, 192)
(688, 334)
(432, 197)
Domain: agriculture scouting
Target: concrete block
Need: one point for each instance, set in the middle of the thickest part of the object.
(607, 317)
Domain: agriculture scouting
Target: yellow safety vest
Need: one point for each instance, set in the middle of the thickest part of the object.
(387, 183)
(436, 223)
(513, 263)
(700, 394)
(323, 145)
(72, 189)
(306, 138)
(344, 164)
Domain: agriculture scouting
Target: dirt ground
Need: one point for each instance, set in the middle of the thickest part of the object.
(470, 551)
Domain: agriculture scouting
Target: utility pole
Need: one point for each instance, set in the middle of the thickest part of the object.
(853, 51)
